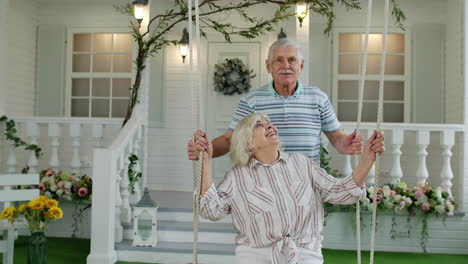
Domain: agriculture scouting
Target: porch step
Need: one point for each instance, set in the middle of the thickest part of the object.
(176, 231)
(176, 253)
(184, 215)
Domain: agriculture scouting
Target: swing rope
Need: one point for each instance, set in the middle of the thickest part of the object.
(198, 121)
(379, 121)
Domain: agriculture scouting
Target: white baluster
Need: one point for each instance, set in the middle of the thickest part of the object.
(136, 195)
(447, 141)
(371, 174)
(75, 134)
(126, 213)
(118, 200)
(97, 135)
(397, 140)
(33, 132)
(423, 141)
(54, 133)
(11, 162)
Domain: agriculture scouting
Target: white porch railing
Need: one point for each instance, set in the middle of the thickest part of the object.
(67, 143)
(111, 206)
(412, 151)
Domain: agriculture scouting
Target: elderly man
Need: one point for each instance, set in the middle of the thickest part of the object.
(299, 112)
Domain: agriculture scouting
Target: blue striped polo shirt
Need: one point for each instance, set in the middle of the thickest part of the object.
(299, 118)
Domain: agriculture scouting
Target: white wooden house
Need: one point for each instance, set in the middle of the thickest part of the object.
(65, 66)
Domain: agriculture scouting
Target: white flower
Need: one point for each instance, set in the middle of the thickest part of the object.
(408, 201)
(397, 198)
(59, 192)
(68, 185)
(51, 180)
(67, 197)
(388, 204)
(60, 184)
(371, 190)
(53, 188)
(45, 179)
(386, 190)
(451, 208)
(439, 208)
(438, 192)
(48, 194)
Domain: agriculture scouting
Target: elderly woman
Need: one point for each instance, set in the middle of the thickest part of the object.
(276, 199)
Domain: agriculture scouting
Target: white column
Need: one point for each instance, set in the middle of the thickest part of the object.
(397, 140)
(302, 37)
(447, 141)
(54, 134)
(75, 134)
(103, 209)
(423, 141)
(4, 10)
(371, 174)
(462, 199)
(33, 132)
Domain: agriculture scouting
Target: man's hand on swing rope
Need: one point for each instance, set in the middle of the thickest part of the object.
(352, 144)
(199, 143)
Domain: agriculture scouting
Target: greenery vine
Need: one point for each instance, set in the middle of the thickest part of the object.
(153, 38)
(10, 134)
(133, 175)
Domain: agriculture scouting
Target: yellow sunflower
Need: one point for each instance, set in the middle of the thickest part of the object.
(36, 204)
(8, 213)
(56, 212)
(50, 203)
(22, 208)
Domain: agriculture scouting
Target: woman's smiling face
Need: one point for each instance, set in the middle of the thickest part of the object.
(264, 135)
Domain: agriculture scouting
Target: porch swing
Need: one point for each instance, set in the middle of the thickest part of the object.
(198, 121)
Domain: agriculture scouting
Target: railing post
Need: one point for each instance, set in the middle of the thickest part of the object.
(423, 141)
(75, 134)
(397, 140)
(54, 133)
(103, 209)
(118, 200)
(97, 135)
(33, 133)
(447, 141)
(126, 211)
(136, 195)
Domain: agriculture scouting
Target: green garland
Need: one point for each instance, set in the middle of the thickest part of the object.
(232, 77)
(133, 176)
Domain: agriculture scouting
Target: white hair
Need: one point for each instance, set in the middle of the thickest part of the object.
(284, 42)
(241, 141)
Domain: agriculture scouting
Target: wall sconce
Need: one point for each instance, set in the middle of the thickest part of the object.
(184, 45)
(139, 10)
(301, 11)
(282, 34)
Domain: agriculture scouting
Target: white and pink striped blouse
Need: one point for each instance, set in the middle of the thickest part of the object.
(279, 204)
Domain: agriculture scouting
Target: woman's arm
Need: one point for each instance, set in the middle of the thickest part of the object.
(375, 144)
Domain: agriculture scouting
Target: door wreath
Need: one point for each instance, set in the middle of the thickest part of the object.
(232, 77)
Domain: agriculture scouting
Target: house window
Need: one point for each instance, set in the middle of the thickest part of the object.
(348, 56)
(101, 74)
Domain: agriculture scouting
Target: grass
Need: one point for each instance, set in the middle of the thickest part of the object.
(75, 251)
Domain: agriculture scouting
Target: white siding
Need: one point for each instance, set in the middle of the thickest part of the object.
(21, 48)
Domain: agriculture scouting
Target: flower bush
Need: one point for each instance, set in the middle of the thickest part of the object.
(60, 185)
(38, 212)
(400, 197)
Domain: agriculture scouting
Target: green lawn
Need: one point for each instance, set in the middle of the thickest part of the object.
(74, 251)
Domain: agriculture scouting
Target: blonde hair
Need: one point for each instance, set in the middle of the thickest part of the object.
(241, 141)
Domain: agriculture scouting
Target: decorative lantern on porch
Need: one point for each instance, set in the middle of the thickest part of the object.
(145, 222)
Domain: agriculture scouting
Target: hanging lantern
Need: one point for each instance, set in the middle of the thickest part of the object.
(184, 45)
(145, 222)
(139, 10)
(282, 34)
(301, 11)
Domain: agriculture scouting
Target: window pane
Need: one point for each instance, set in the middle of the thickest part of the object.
(80, 107)
(102, 43)
(82, 42)
(394, 91)
(349, 90)
(396, 43)
(101, 63)
(100, 108)
(395, 65)
(349, 43)
(120, 87)
(80, 87)
(369, 112)
(119, 107)
(122, 63)
(347, 111)
(348, 64)
(122, 42)
(101, 87)
(393, 112)
(375, 43)
(81, 63)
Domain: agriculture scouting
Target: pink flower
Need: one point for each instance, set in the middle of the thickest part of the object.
(392, 193)
(41, 188)
(49, 173)
(419, 194)
(83, 191)
(413, 214)
(402, 203)
(450, 213)
(426, 206)
(378, 199)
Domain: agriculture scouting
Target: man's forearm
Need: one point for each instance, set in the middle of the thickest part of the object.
(221, 146)
(337, 140)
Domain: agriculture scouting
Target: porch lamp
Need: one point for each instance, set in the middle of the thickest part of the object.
(184, 45)
(145, 222)
(282, 34)
(301, 11)
(138, 10)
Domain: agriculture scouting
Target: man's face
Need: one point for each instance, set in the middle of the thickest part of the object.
(285, 66)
